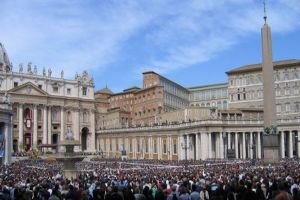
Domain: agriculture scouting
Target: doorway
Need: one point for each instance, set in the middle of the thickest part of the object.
(84, 135)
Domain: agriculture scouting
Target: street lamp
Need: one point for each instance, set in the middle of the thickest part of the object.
(185, 146)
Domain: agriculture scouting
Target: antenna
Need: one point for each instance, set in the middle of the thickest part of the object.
(265, 11)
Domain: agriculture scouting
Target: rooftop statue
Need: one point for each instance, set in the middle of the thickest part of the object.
(49, 72)
(35, 69)
(29, 68)
(62, 74)
(20, 67)
(44, 71)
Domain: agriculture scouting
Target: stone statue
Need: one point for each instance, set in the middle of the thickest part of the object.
(76, 76)
(62, 74)
(44, 71)
(29, 68)
(49, 72)
(6, 99)
(35, 70)
(20, 67)
(69, 135)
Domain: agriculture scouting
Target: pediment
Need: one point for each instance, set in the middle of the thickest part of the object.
(28, 89)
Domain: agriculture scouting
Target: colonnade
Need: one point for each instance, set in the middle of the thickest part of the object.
(196, 146)
(244, 145)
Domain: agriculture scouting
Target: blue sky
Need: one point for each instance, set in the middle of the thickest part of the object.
(192, 42)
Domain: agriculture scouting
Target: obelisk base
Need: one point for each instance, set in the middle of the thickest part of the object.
(271, 152)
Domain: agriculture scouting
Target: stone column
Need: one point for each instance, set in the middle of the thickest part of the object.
(62, 123)
(76, 124)
(258, 145)
(49, 126)
(236, 143)
(229, 140)
(244, 145)
(298, 143)
(21, 128)
(186, 147)
(170, 153)
(209, 145)
(8, 141)
(160, 148)
(282, 144)
(221, 145)
(150, 147)
(45, 125)
(290, 144)
(251, 145)
(35, 126)
(197, 147)
(92, 130)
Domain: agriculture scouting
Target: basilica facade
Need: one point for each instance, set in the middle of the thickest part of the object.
(46, 107)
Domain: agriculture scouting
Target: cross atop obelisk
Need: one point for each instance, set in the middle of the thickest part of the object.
(268, 78)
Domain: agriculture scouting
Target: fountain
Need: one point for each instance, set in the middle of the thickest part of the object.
(69, 157)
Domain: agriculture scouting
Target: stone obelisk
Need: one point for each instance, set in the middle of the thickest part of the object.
(270, 136)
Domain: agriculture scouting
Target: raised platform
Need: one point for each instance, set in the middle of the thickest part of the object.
(271, 148)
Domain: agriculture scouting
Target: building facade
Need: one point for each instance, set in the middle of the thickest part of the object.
(45, 107)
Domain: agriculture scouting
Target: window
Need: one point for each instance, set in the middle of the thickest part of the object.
(165, 146)
(287, 107)
(40, 86)
(146, 145)
(55, 89)
(278, 108)
(110, 146)
(297, 106)
(238, 97)
(84, 91)
(39, 115)
(130, 147)
(68, 91)
(138, 146)
(15, 84)
(54, 115)
(174, 147)
(154, 146)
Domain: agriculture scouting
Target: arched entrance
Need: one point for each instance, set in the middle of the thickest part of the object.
(27, 141)
(84, 135)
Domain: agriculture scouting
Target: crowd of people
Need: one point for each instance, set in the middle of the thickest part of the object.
(110, 179)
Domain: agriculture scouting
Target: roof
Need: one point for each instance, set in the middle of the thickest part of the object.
(210, 86)
(105, 90)
(257, 67)
(133, 88)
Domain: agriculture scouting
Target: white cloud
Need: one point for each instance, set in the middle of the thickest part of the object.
(90, 34)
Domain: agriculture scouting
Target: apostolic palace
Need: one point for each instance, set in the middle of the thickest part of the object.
(158, 120)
